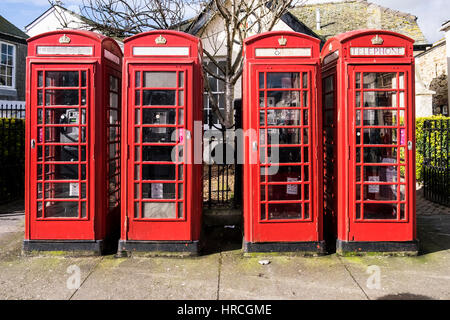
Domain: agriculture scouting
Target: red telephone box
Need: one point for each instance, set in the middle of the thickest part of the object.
(281, 122)
(162, 193)
(72, 193)
(369, 142)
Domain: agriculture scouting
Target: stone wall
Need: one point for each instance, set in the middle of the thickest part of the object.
(339, 17)
(432, 68)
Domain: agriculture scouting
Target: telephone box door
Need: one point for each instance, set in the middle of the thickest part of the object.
(381, 153)
(284, 119)
(59, 168)
(158, 173)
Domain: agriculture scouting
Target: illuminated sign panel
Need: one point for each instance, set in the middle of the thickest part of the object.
(161, 51)
(283, 52)
(65, 50)
(381, 51)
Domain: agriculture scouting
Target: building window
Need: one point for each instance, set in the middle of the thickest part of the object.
(7, 65)
(218, 90)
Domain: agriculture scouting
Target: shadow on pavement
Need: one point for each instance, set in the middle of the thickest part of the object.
(404, 296)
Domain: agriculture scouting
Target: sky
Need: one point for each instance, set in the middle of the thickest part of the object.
(431, 13)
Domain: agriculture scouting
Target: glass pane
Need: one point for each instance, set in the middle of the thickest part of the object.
(358, 80)
(113, 100)
(329, 101)
(158, 191)
(157, 153)
(380, 118)
(158, 116)
(284, 154)
(380, 155)
(380, 136)
(283, 80)
(68, 97)
(328, 84)
(283, 117)
(181, 98)
(305, 99)
(160, 79)
(282, 99)
(158, 172)
(61, 134)
(40, 79)
(137, 98)
(64, 116)
(380, 211)
(138, 79)
(285, 211)
(285, 192)
(261, 80)
(158, 135)
(61, 172)
(305, 80)
(62, 190)
(380, 173)
(379, 192)
(380, 80)
(379, 99)
(61, 209)
(83, 78)
(61, 79)
(158, 210)
(158, 97)
(62, 153)
(284, 136)
(180, 210)
(181, 79)
(113, 84)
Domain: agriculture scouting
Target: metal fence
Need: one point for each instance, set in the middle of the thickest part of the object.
(222, 180)
(12, 109)
(12, 150)
(436, 162)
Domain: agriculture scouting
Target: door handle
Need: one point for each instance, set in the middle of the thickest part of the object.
(255, 146)
(33, 143)
(410, 145)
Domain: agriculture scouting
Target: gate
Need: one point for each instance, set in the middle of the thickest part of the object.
(12, 147)
(436, 161)
(222, 179)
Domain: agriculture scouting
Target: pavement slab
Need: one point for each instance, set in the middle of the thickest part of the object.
(153, 278)
(286, 277)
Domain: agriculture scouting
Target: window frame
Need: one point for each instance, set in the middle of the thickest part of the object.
(13, 72)
(207, 108)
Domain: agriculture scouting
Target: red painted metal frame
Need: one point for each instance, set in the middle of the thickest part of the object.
(350, 227)
(185, 227)
(96, 224)
(306, 228)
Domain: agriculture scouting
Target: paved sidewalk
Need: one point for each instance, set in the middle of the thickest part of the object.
(225, 274)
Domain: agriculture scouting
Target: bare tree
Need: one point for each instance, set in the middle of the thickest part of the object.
(123, 18)
(239, 19)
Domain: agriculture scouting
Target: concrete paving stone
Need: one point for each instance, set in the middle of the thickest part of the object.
(153, 278)
(422, 277)
(41, 277)
(286, 277)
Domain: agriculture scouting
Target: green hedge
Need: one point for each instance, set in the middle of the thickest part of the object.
(12, 158)
(420, 146)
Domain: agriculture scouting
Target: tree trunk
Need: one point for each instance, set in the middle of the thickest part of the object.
(229, 103)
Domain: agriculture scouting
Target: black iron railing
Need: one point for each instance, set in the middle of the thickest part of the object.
(222, 179)
(436, 162)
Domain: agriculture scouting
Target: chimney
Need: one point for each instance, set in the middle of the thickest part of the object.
(318, 26)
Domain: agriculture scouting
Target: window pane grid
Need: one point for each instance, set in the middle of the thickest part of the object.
(158, 121)
(379, 183)
(285, 195)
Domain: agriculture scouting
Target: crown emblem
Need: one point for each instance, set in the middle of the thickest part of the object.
(282, 41)
(64, 39)
(160, 40)
(377, 40)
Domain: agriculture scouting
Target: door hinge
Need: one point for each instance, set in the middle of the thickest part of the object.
(128, 151)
